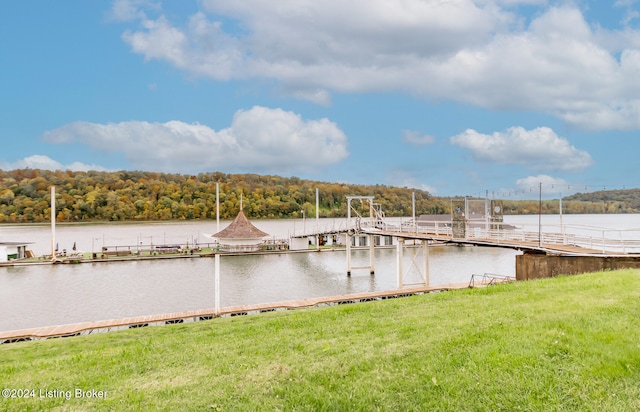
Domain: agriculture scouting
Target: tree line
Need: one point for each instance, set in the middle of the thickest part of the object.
(148, 196)
(603, 201)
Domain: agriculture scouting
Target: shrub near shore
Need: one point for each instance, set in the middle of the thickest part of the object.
(568, 343)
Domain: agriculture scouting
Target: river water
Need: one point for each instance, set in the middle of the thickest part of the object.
(44, 295)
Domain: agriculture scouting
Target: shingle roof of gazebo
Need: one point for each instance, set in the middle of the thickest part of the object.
(240, 228)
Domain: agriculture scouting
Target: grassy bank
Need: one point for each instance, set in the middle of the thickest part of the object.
(570, 343)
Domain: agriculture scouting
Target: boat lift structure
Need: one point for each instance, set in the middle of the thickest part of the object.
(413, 275)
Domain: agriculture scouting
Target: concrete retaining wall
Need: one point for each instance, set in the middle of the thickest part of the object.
(536, 266)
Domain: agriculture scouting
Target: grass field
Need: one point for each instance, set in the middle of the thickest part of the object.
(562, 344)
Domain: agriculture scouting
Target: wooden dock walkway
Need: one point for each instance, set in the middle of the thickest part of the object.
(86, 328)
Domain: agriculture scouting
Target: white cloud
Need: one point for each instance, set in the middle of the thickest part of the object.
(465, 50)
(128, 10)
(624, 3)
(416, 138)
(548, 185)
(259, 139)
(402, 178)
(525, 2)
(539, 149)
(630, 16)
(47, 163)
(160, 41)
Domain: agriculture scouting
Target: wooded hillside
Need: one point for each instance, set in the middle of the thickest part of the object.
(605, 201)
(135, 195)
(99, 196)
(611, 201)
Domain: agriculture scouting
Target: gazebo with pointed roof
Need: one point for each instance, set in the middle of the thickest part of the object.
(240, 236)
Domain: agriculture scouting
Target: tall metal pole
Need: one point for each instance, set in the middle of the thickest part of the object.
(371, 238)
(413, 208)
(53, 223)
(317, 220)
(348, 245)
(347, 236)
(372, 269)
(486, 212)
(426, 262)
(466, 216)
(399, 268)
(217, 207)
(540, 216)
(561, 225)
(217, 283)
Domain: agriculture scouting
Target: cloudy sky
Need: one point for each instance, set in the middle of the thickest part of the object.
(457, 97)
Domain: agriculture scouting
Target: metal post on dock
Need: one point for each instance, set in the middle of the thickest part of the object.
(348, 244)
(217, 283)
(413, 211)
(347, 236)
(466, 217)
(425, 245)
(53, 223)
(371, 254)
(399, 251)
(540, 216)
(317, 220)
(564, 240)
(486, 213)
(217, 207)
(371, 237)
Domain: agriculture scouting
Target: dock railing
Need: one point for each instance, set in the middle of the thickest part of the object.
(488, 279)
(311, 229)
(591, 237)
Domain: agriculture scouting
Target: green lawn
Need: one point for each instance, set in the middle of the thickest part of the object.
(563, 344)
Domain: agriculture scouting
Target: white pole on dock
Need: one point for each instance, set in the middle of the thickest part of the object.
(217, 207)
(561, 225)
(426, 262)
(347, 236)
(317, 220)
(413, 208)
(53, 223)
(540, 217)
(217, 283)
(371, 238)
(486, 212)
(399, 250)
(371, 254)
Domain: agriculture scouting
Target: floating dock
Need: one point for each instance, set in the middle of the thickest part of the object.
(87, 328)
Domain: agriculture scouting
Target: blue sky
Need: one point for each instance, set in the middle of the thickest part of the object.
(455, 97)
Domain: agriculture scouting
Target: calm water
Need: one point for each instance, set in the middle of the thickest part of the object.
(48, 295)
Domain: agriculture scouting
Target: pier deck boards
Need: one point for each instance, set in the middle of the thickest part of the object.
(203, 314)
